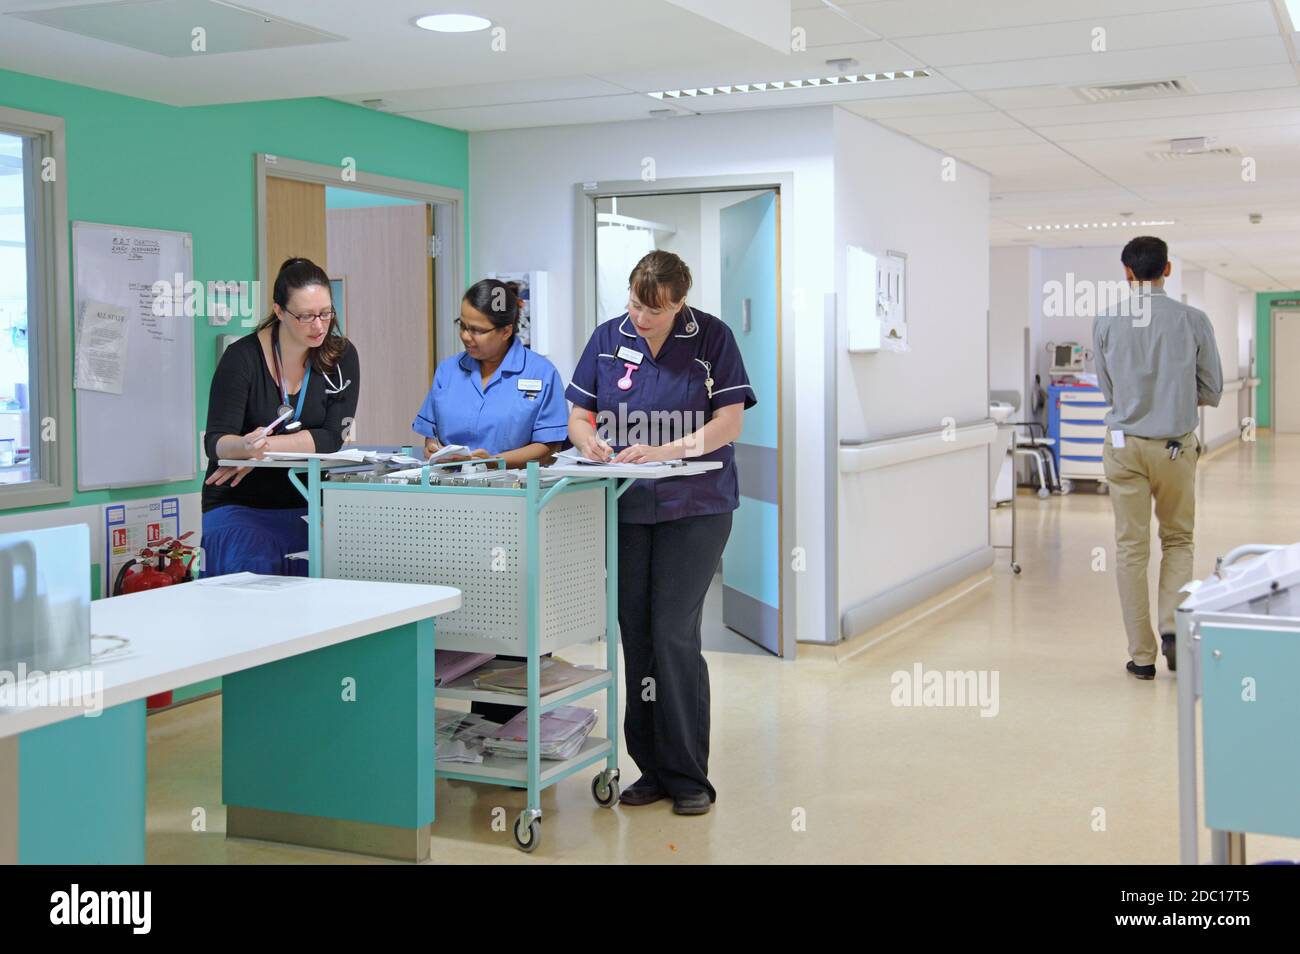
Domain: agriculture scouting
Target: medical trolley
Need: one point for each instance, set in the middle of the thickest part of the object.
(535, 554)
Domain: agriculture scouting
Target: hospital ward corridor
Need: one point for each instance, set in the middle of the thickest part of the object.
(878, 782)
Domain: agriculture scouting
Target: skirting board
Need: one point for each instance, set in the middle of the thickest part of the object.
(874, 611)
(1215, 443)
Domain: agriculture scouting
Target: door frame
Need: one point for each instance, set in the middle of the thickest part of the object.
(448, 219)
(586, 195)
(1272, 362)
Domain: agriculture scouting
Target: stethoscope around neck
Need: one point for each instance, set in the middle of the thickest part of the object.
(331, 386)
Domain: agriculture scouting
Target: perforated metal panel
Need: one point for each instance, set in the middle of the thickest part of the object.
(573, 568)
(475, 542)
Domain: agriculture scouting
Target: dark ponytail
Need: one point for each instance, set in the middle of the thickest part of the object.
(497, 301)
(298, 273)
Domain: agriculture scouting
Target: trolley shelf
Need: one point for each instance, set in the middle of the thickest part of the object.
(504, 770)
(464, 688)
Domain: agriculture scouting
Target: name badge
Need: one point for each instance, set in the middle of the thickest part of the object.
(627, 354)
(530, 384)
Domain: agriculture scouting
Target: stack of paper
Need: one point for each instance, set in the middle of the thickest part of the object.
(563, 732)
(572, 456)
(460, 735)
(555, 674)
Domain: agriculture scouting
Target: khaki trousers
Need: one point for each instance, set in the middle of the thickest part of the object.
(1139, 472)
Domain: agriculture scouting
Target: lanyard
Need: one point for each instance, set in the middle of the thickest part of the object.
(279, 375)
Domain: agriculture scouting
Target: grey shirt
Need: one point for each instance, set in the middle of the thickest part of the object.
(1155, 374)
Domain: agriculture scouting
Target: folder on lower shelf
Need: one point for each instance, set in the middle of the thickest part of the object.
(450, 664)
(563, 732)
(556, 674)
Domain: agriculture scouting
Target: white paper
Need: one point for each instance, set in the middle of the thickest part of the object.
(451, 450)
(1116, 438)
(354, 456)
(101, 347)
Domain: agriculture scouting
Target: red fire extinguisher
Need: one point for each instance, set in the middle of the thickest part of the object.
(169, 563)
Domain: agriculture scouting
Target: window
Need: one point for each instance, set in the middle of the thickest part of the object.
(35, 389)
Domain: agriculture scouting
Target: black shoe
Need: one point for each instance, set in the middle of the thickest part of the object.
(642, 792)
(696, 803)
(1142, 672)
(1168, 646)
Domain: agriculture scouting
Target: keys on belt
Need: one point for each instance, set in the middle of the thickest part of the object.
(1174, 448)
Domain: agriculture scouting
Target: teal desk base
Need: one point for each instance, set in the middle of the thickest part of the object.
(335, 748)
(79, 788)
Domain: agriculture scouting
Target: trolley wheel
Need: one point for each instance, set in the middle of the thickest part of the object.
(1102, 487)
(527, 839)
(1015, 568)
(604, 789)
(1044, 492)
(1066, 485)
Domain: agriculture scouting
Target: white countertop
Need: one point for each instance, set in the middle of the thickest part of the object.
(185, 634)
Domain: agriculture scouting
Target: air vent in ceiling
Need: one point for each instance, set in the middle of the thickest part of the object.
(1153, 89)
(179, 27)
(1168, 155)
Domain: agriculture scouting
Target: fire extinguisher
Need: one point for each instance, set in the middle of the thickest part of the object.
(174, 561)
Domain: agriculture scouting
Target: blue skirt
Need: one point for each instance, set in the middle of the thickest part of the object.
(239, 539)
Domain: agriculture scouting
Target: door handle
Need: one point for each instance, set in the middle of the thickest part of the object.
(745, 305)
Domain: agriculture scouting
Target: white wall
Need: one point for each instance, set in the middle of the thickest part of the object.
(909, 520)
(1222, 302)
(1014, 274)
(522, 216)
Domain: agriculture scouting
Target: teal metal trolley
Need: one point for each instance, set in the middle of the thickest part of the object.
(527, 555)
(493, 539)
(522, 554)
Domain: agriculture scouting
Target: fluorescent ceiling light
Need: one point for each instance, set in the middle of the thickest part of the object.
(1098, 225)
(452, 23)
(815, 82)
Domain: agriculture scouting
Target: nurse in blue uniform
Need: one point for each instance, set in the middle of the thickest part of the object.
(497, 397)
(665, 382)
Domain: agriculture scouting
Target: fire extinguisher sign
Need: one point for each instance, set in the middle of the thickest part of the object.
(130, 527)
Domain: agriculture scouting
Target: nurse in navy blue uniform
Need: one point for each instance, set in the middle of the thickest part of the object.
(497, 397)
(665, 382)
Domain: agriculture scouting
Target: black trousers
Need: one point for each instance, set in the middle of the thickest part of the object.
(664, 572)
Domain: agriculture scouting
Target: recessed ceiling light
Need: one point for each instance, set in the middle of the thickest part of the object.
(452, 23)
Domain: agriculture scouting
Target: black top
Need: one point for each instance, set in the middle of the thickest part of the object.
(244, 396)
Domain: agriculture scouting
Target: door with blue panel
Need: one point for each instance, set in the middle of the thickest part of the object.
(751, 563)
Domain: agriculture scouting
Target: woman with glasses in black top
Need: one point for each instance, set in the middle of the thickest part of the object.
(290, 386)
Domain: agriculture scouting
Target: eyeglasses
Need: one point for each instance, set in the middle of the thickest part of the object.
(476, 332)
(326, 316)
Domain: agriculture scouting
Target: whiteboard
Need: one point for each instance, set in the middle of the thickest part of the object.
(146, 434)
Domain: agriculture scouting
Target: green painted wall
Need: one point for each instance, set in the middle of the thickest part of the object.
(139, 163)
(1264, 353)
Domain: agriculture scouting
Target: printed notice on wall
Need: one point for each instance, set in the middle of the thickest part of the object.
(101, 347)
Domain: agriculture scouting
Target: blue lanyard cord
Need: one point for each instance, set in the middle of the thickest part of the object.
(279, 373)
